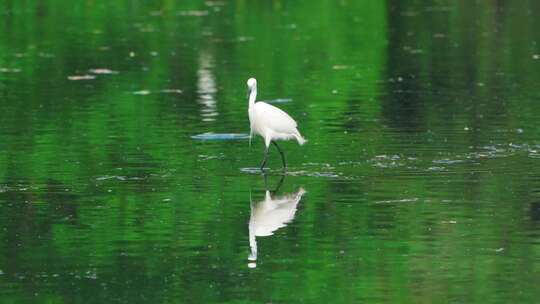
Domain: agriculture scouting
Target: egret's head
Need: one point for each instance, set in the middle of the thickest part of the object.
(251, 83)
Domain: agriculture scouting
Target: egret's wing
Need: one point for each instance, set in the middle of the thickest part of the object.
(274, 118)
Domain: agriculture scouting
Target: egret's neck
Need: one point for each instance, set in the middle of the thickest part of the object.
(252, 97)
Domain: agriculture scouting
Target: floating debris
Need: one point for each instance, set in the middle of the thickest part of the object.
(141, 92)
(221, 136)
(340, 67)
(81, 77)
(8, 70)
(244, 38)
(102, 71)
(192, 13)
(171, 91)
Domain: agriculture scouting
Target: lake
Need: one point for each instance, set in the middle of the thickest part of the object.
(127, 174)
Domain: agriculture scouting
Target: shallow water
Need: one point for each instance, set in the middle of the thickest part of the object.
(126, 174)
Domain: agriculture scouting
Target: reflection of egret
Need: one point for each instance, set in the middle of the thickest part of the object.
(271, 123)
(269, 215)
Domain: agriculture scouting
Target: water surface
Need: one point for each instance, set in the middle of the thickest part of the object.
(126, 175)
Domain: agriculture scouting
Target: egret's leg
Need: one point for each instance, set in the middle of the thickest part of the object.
(265, 181)
(282, 155)
(279, 183)
(265, 158)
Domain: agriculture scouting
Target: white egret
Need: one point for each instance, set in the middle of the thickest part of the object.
(271, 123)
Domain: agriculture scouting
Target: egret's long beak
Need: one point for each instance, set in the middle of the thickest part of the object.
(248, 92)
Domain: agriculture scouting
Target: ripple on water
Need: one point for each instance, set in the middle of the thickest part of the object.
(390, 161)
(278, 100)
(107, 177)
(316, 174)
(403, 200)
(253, 170)
(204, 157)
(164, 91)
(220, 136)
(450, 162)
(447, 161)
(436, 169)
(193, 13)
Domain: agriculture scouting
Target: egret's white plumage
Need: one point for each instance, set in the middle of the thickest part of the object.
(270, 122)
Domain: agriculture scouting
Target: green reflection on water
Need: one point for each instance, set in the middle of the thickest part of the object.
(421, 169)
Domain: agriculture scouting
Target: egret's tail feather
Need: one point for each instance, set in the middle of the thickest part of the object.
(300, 139)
